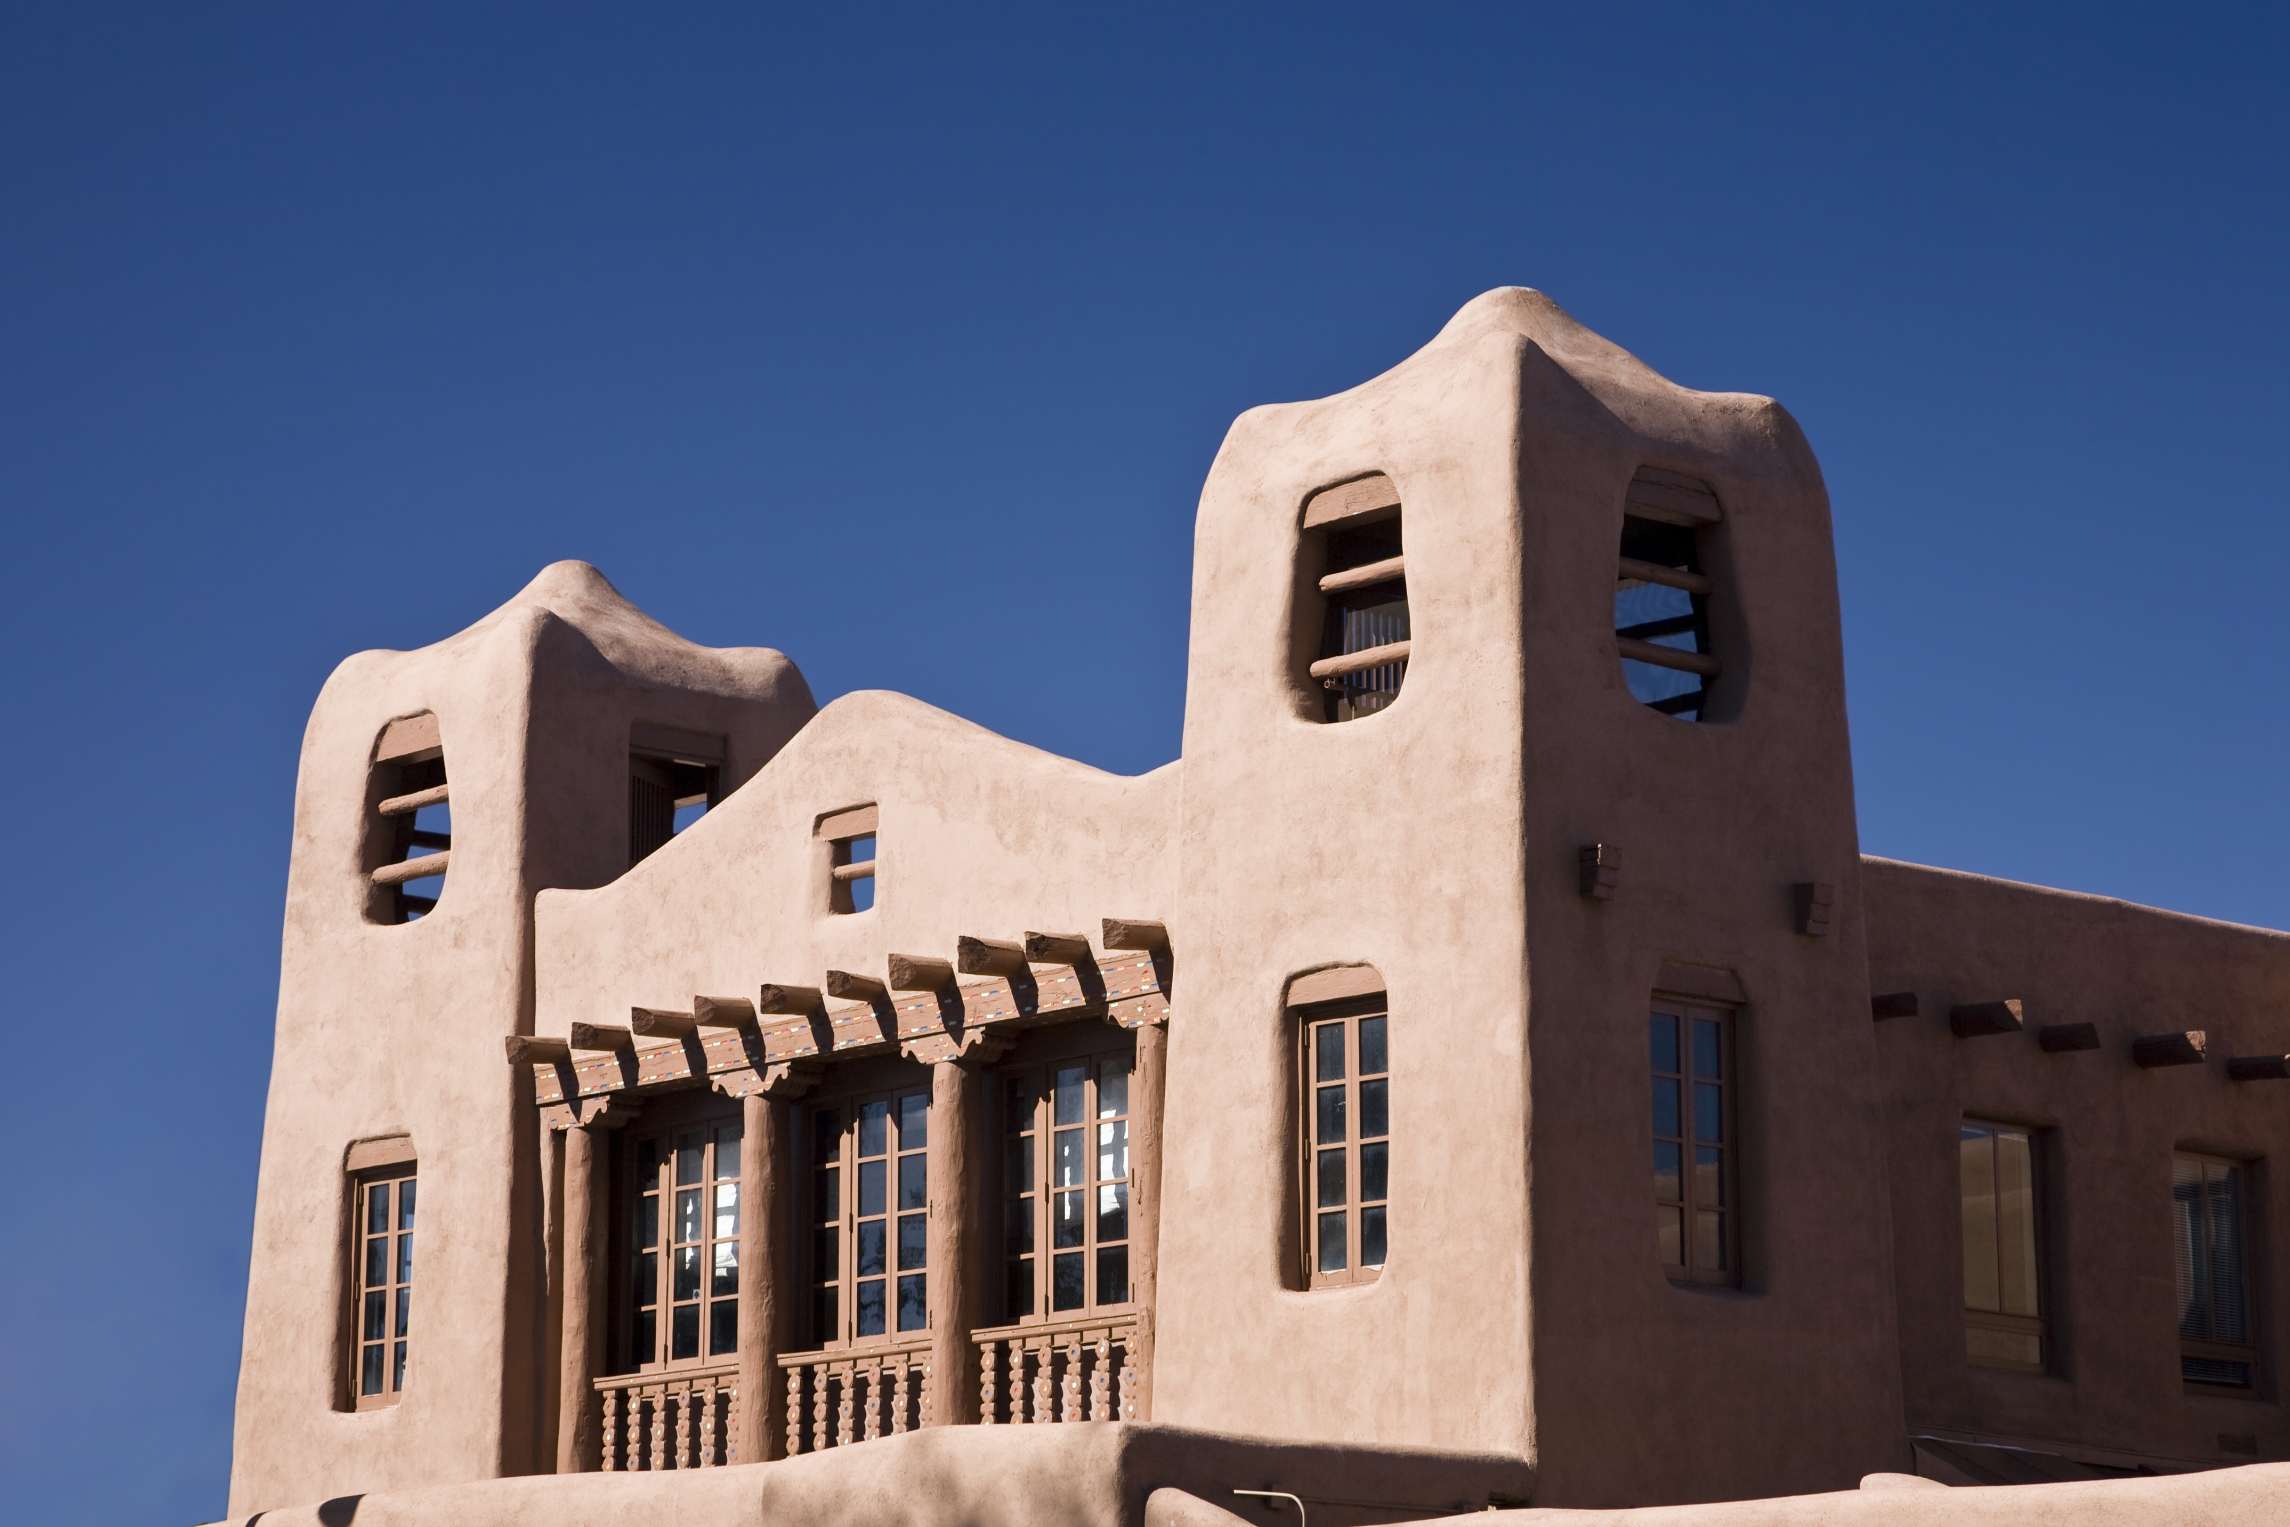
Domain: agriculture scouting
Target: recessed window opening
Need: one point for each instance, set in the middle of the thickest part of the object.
(1343, 1091)
(1690, 1050)
(1352, 536)
(2004, 1324)
(1065, 1187)
(411, 822)
(850, 838)
(382, 1183)
(683, 1240)
(1661, 593)
(2210, 1234)
(674, 776)
(869, 1220)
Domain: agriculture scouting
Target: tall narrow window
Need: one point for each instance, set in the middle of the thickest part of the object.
(410, 830)
(1353, 555)
(383, 1206)
(2003, 1284)
(1694, 1222)
(684, 1245)
(1065, 1187)
(1347, 1139)
(674, 776)
(2217, 1345)
(850, 839)
(870, 1222)
(1661, 594)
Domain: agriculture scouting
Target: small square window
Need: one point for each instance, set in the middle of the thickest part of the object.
(850, 839)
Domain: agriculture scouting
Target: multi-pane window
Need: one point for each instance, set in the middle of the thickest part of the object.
(1352, 535)
(385, 1283)
(1347, 1140)
(1661, 594)
(1065, 1187)
(1694, 1223)
(870, 1218)
(2209, 1229)
(2003, 1283)
(684, 1277)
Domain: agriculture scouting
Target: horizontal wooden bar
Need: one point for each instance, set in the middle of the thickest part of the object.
(1668, 577)
(678, 743)
(1334, 985)
(601, 1036)
(723, 1012)
(409, 739)
(2065, 1038)
(1672, 497)
(420, 838)
(1135, 933)
(385, 1150)
(1059, 949)
(1374, 495)
(988, 956)
(411, 869)
(863, 871)
(851, 822)
(1366, 576)
(1978, 1020)
(399, 805)
(2259, 1068)
(855, 988)
(533, 1049)
(787, 999)
(2189, 1047)
(662, 1023)
(917, 972)
(1668, 657)
(1897, 1004)
(1353, 662)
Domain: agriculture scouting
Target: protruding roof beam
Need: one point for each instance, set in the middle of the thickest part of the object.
(1977, 1020)
(918, 972)
(2188, 1047)
(527, 1049)
(1058, 949)
(844, 986)
(989, 957)
(723, 1012)
(661, 1023)
(788, 999)
(601, 1036)
(1135, 933)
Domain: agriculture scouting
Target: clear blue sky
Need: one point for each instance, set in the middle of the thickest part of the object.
(324, 327)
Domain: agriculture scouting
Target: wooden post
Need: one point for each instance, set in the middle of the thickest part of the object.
(765, 1301)
(1150, 1084)
(956, 1241)
(553, 1283)
(582, 1353)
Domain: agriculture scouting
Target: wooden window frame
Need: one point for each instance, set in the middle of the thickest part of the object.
(386, 1168)
(906, 1225)
(1683, 1210)
(1664, 506)
(847, 833)
(2201, 1349)
(719, 1123)
(1343, 1000)
(1353, 562)
(1976, 1320)
(407, 777)
(1028, 1190)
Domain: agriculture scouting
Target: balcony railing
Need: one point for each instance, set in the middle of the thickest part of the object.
(682, 1419)
(1067, 1370)
(837, 1398)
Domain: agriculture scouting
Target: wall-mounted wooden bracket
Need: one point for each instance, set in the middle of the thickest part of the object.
(1135, 933)
(662, 1023)
(847, 987)
(1893, 1004)
(723, 1012)
(989, 957)
(601, 1036)
(1977, 1020)
(792, 1000)
(919, 972)
(1598, 869)
(2259, 1068)
(1058, 949)
(1811, 903)
(529, 1049)
(2060, 1038)
(2190, 1047)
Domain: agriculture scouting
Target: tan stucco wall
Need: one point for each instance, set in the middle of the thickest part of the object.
(2110, 1130)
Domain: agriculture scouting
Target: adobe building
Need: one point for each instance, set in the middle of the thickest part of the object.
(1477, 1075)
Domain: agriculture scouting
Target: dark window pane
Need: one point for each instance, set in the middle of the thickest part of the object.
(1667, 1187)
(914, 1182)
(2211, 1370)
(1663, 1029)
(1066, 1227)
(647, 1278)
(1018, 1226)
(1372, 1059)
(1329, 1170)
(1375, 1169)
(1709, 1239)
(1017, 1104)
(687, 1215)
(1706, 1062)
(398, 1367)
(871, 1248)
(645, 1338)
(370, 1371)
(825, 1321)
(1709, 1112)
(405, 1204)
(1328, 1052)
(1665, 1106)
(914, 1241)
(870, 1187)
(687, 1273)
(1375, 1109)
(723, 1327)
(648, 1220)
(405, 1257)
(1328, 1122)
(1667, 1239)
(727, 1150)
(684, 1332)
(1333, 1254)
(2191, 1246)
(377, 1316)
(914, 1121)
(1070, 1148)
(727, 1210)
(690, 1159)
(827, 1200)
(825, 1263)
(1709, 1176)
(874, 1128)
(405, 1311)
(1071, 1081)
(1372, 1237)
(914, 1303)
(1113, 1211)
(1018, 1165)
(2230, 1303)
(723, 1270)
(1113, 1087)
(377, 1208)
(378, 1262)
(826, 1135)
(1018, 1288)
(1068, 1290)
(1113, 1150)
(870, 1313)
(648, 1163)
(1113, 1275)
